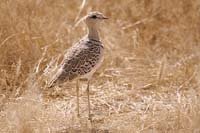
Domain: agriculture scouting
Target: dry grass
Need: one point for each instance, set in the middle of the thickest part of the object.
(149, 81)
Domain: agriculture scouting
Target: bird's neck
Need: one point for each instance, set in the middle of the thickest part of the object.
(93, 32)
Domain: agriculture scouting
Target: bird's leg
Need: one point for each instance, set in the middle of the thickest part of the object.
(88, 97)
(77, 94)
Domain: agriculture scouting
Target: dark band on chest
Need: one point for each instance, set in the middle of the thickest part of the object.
(95, 40)
(97, 43)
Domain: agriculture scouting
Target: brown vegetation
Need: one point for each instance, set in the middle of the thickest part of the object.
(149, 81)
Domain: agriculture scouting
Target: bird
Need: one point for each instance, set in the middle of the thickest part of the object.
(83, 58)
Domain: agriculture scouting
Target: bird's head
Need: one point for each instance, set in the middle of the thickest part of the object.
(94, 18)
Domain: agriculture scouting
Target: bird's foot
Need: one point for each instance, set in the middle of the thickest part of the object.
(90, 116)
(78, 115)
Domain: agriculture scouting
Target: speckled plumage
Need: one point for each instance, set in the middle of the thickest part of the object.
(80, 61)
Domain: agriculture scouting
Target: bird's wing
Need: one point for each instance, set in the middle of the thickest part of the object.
(78, 60)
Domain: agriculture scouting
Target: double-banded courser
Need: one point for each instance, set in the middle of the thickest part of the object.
(83, 58)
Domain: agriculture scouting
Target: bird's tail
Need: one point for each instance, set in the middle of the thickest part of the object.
(55, 79)
(52, 83)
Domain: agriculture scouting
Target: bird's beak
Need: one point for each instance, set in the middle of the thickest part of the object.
(104, 17)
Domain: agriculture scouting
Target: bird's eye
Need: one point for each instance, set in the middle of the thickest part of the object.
(94, 16)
